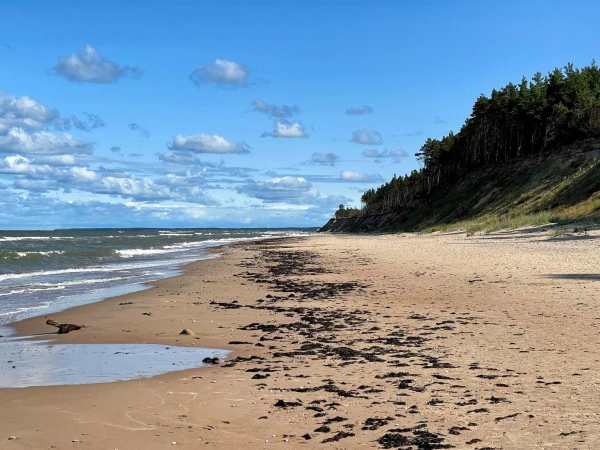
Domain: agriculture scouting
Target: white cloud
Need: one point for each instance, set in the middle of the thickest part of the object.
(21, 165)
(179, 158)
(328, 159)
(279, 112)
(140, 189)
(284, 189)
(56, 160)
(88, 66)
(193, 179)
(347, 175)
(24, 112)
(45, 173)
(82, 174)
(285, 129)
(221, 72)
(24, 125)
(206, 143)
(398, 153)
(367, 137)
(36, 185)
(365, 109)
(17, 140)
(373, 153)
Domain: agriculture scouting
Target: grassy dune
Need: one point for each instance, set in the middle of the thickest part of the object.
(561, 188)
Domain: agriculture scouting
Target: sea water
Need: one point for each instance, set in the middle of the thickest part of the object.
(43, 272)
(25, 363)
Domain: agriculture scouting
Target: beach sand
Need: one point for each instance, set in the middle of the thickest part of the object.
(395, 341)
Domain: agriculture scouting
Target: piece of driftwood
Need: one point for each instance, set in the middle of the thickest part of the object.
(63, 328)
(188, 332)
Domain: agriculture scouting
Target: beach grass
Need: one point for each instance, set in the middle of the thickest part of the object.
(496, 223)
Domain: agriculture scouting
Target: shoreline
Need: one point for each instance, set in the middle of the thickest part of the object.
(37, 284)
(20, 328)
(32, 328)
(21, 325)
(385, 341)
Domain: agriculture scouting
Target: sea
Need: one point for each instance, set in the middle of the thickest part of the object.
(43, 272)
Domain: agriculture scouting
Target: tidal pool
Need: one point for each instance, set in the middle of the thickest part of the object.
(25, 363)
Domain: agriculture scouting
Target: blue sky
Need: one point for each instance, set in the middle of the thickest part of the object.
(247, 113)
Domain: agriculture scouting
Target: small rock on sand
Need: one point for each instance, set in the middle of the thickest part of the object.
(188, 332)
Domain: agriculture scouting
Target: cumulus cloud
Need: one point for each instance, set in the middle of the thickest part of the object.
(324, 159)
(137, 127)
(88, 66)
(189, 179)
(286, 129)
(20, 165)
(20, 141)
(280, 190)
(207, 143)
(139, 189)
(44, 177)
(359, 111)
(36, 185)
(347, 175)
(25, 124)
(25, 113)
(116, 150)
(374, 153)
(278, 112)
(56, 160)
(221, 72)
(366, 137)
(179, 158)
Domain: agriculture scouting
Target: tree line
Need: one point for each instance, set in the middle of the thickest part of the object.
(531, 118)
(347, 213)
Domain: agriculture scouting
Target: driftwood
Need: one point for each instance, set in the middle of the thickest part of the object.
(188, 332)
(63, 328)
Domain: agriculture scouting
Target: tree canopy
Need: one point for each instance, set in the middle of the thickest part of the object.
(346, 213)
(531, 118)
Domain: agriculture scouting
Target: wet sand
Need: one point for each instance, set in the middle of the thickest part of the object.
(346, 342)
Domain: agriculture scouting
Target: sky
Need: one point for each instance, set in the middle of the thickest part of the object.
(247, 113)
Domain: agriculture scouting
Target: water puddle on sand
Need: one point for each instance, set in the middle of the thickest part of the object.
(25, 363)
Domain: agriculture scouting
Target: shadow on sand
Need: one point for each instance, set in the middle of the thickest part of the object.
(574, 276)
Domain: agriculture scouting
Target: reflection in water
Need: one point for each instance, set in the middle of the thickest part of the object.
(40, 363)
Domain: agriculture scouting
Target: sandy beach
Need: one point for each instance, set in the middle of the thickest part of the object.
(391, 341)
